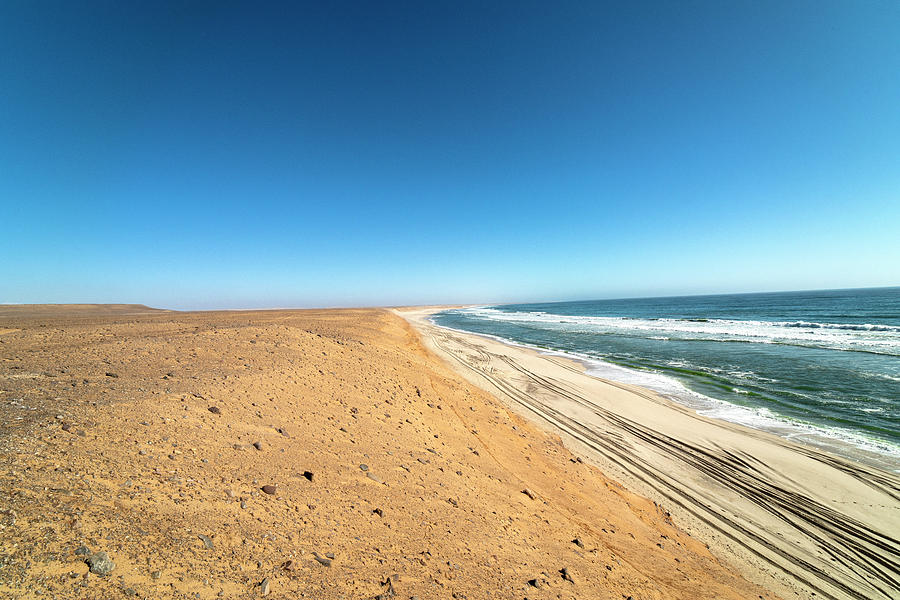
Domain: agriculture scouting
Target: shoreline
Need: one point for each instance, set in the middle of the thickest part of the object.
(848, 445)
(790, 516)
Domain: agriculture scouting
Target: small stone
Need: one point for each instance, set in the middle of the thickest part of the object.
(578, 543)
(264, 587)
(229, 493)
(325, 562)
(287, 565)
(258, 445)
(130, 592)
(566, 575)
(113, 375)
(269, 489)
(100, 563)
(529, 493)
(534, 583)
(207, 541)
(308, 475)
(155, 575)
(374, 477)
(82, 551)
(214, 410)
(378, 512)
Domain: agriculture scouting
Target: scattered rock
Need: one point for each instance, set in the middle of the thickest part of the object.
(130, 592)
(535, 583)
(374, 477)
(113, 375)
(82, 551)
(566, 575)
(264, 587)
(578, 543)
(214, 410)
(100, 563)
(364, 467)
(155, 575)
(258, 445)
(529, 493)
(308, 475)
(207, 541)
(389, 592)
(322, 560)
(269, 489)
(287, 565)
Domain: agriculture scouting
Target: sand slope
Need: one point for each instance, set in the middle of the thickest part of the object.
(414, 483)
(793, 518)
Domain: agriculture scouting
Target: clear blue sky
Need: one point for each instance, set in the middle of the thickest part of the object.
(200, 155)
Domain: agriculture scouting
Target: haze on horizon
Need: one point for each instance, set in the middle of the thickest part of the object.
(222, 154)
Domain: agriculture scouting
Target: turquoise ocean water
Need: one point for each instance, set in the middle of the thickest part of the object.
(818, 367)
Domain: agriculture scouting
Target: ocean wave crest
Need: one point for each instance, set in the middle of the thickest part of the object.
(875, 338)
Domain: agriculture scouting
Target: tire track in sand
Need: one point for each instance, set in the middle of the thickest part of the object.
(862, 562)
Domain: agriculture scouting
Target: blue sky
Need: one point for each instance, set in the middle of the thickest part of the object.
(210, 155)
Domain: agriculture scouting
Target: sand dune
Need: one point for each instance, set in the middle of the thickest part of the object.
(158, 438)
(793, 518)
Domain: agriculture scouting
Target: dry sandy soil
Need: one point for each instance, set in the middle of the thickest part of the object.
(154, 437)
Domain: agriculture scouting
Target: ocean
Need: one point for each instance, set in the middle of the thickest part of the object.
(820, 367)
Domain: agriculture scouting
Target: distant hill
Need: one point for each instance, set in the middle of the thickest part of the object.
(74, 310)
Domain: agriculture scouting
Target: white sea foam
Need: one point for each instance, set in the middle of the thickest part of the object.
(834, 439)
(880, 339)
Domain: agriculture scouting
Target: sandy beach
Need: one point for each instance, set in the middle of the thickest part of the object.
(790, 517)
(316, 454)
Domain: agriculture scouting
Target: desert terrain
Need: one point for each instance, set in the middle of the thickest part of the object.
(311, 454)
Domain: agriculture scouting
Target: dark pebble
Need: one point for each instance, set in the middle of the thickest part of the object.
(269, 489)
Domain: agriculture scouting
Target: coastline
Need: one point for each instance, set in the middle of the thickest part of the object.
(789, 516)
